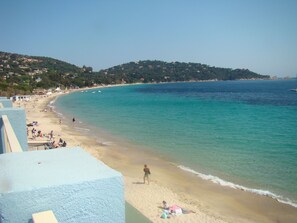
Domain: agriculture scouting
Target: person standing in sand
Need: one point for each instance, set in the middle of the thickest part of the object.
(147, 172)
(51, 135)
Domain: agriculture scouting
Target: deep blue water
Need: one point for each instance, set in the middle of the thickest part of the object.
(235, 133)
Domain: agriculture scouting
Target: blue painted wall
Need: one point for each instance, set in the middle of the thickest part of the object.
(7, 103)
(70, 182)
(17, 118)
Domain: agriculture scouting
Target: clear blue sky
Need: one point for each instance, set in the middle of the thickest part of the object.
(260, 35)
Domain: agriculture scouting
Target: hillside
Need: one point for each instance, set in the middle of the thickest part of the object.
(21, 74)
(159, 71)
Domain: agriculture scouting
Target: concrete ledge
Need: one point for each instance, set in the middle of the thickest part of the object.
(6, 103)
(70, 182)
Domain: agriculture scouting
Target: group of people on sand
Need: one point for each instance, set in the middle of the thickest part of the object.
(52, 143)
(35, 133)
(61, 143)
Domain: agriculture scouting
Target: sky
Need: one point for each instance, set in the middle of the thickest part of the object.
(259, 35)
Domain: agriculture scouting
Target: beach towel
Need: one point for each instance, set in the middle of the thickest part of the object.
(174, 209)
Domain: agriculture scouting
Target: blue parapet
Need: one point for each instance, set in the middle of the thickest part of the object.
(2, 143)
(70, 182)
(17, 119)
(7, 103)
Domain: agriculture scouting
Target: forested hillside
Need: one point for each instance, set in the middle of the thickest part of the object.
(21, 74)
(159, 71)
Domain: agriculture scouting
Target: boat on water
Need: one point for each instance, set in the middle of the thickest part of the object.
(295, 90)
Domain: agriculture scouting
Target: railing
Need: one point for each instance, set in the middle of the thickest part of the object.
(44, 217)
(11, 143)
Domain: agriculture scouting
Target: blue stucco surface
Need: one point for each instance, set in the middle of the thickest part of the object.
(17, 118)
(72, 183)
(7, 103)
(1, 136)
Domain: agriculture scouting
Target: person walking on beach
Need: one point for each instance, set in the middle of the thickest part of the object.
(147, 172)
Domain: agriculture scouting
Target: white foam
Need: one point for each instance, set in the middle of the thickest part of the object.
(224, 183)
(82, 129)
(105, 143)
(59, 114)
(51, 104)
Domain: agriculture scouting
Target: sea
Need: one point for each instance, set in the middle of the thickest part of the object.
(239, 134)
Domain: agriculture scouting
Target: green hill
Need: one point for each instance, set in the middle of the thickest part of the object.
(21, 74)
(159, 71)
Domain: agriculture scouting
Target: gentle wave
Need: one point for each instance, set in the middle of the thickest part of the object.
(224, 183)
(104, 143)
(59, 114)
(51, 104)
(82, 129)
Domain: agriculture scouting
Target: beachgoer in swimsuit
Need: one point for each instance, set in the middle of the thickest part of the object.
(51, 135)
(147, 172)
(165, 206)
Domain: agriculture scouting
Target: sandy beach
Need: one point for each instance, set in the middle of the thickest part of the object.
(206, 201)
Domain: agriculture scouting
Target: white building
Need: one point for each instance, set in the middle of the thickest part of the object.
(20, 98)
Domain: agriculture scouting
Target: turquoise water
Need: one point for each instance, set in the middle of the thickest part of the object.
(240, 134)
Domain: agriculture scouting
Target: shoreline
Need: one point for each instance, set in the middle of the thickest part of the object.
(211, 202)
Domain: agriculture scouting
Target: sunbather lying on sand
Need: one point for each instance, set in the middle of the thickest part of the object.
(173, 210)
